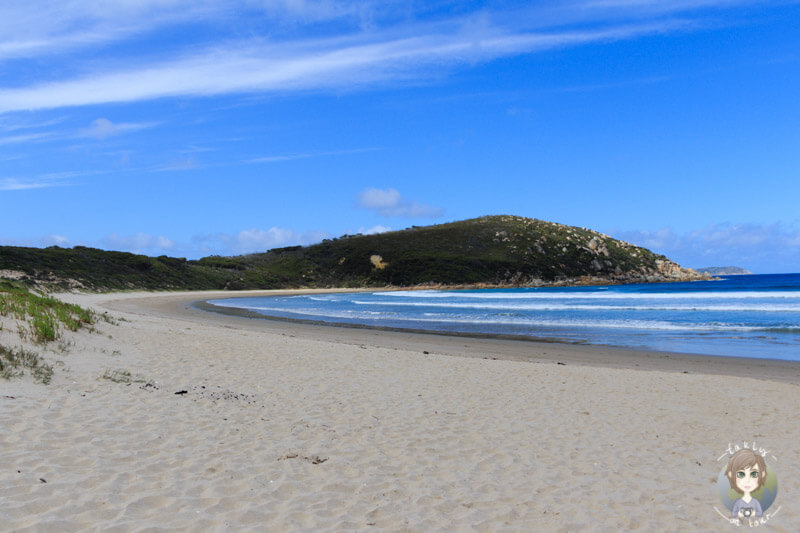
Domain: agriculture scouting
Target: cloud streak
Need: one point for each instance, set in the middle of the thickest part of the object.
(25, 138)
(32, 28)
(16, 184)
(294, 157)
(761, 248)
(390, 203)
(102, 128)
(253, 240)
(140, 243)
(365, 42)
(43, 181)
(257, 67)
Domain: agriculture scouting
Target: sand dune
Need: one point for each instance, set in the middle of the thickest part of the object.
(284, 427)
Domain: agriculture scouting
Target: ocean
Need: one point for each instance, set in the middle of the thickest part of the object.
(738, 316)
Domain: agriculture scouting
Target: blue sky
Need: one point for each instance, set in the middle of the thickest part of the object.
(192, 128)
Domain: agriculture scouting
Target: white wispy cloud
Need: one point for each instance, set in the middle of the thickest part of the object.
(253, 240)
(30, 125)
(390, 203)
(34, 27)
(293, 157)
(52, 239)
(55, 240)
(374, 230)
(16, 184)
(260, 240)
(102, 128)
(42, 181)
(366, 42)
(99, 129)
(660, 6)
(305, 65)
(42, 27)
(39, 27)
(758, 247)
(185, 163)
(140, 243)
(25, 138)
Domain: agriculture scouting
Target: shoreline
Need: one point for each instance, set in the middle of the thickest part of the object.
(507, 347)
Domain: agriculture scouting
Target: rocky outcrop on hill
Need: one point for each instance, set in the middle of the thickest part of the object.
(582, 255)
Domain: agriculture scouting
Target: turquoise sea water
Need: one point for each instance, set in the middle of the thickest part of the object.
(744, 316)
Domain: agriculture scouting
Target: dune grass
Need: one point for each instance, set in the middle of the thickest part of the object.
(44, 316)
(41, 319)
(14, 362)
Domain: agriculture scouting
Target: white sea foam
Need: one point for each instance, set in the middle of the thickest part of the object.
(227, 303)
(719, 321)
(591, 295)
(495, 320)
(516, 306)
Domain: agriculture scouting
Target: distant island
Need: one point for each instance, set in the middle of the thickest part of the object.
(723, 271)
(491, 251)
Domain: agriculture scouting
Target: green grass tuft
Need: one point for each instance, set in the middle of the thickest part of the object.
(44, 315)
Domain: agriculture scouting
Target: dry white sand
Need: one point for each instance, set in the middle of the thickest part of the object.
(286, 427)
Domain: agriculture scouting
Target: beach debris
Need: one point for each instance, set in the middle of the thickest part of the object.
(10, 397)
(426, 352)
(225, 394)
(43, 480)
(201, 392)
(314, 459)
(560, 363)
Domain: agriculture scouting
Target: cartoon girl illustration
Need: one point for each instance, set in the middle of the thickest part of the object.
(746, 472)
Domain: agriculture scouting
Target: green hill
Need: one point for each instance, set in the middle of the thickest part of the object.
(96, 270)
(493, 250)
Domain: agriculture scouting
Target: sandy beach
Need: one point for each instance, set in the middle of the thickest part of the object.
(228, 423)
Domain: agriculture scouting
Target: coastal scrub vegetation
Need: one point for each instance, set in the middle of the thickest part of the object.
(492, 250)
(97, 270)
